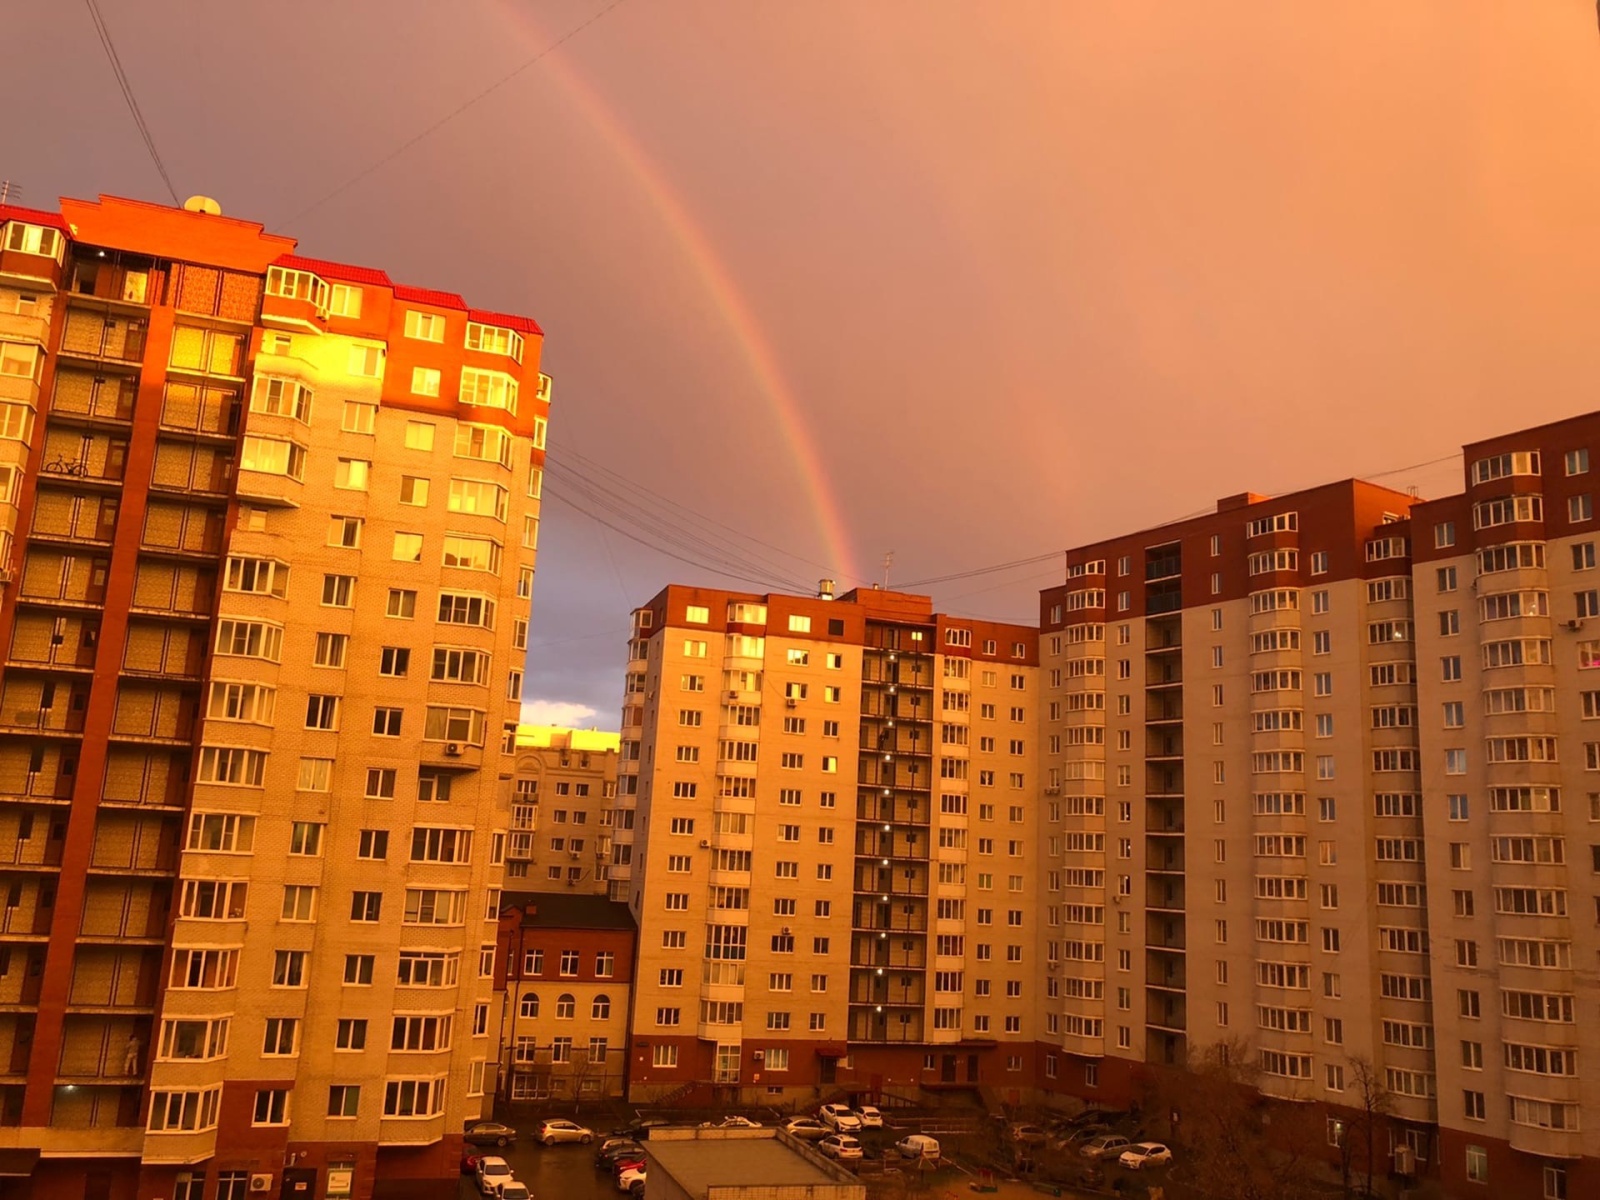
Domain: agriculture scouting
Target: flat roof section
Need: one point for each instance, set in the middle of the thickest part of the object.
(703, 1160)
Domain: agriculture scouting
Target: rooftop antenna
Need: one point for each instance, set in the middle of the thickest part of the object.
(9, 191)
(888, 561)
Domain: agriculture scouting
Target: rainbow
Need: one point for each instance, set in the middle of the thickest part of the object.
(720, 285)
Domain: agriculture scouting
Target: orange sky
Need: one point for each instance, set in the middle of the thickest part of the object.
(1258, 245)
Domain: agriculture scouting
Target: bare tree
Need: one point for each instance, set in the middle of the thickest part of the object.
(1233, 1144)
(1374, 1103)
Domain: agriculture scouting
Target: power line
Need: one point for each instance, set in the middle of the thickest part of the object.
(453, 113)
(106, 42)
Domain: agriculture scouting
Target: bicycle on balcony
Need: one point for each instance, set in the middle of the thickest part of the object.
(61, 465)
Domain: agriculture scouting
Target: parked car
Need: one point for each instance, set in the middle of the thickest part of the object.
(639, 1131)
(1106, 1146)
(731, 1123)
(1027, 1135)
(614, 1149)
(515, 1190)
(489, 1133)
(1096, 1116)
(918, 1145)
(1145, 1154)
(870, 1117)
(627, 1162)
(558, 1130)
(491, 1172)
(808, 1128)
(1071, 1139)
(839, 1118)
(627, 1179)
(469, 1162)
(840, 1145)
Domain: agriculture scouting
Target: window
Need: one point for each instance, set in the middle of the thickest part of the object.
(338, 591)
(1580, 508)
(366, 362)
(271, 1107)
(1477, 1164)
(344, 1100)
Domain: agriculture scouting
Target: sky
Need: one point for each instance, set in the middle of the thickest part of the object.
(965, 283)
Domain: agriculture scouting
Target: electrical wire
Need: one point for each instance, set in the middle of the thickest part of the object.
(623, 513)
(110, 47)
(453, 113)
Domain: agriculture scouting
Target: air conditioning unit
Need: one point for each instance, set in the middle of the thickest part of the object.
(453, 749)
(733, 695)
(759, 1056)
(574, 853)
(792, 702)
(1575, 624)
(261, 1183)
(705, 843)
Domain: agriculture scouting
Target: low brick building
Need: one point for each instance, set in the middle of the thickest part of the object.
(564, 968)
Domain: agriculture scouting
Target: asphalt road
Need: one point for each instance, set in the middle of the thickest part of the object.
(564, 1172)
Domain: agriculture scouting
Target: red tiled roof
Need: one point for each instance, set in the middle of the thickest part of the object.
(33, 216)
(505, 321)
(418, 295)
(333, 270)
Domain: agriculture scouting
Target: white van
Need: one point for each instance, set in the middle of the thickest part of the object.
(918, 1145)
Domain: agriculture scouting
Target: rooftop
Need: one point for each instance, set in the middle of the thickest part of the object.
(561, 738)
(567, 910)
(741, 1159)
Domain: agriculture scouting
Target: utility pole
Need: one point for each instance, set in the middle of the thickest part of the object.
(9, 190)
(888, 561)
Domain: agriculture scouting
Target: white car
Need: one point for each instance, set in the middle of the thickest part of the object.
(870, 1117)
(840, 1145)
(731, 1123)
(918, 1145)
(1145, 1154)
(491, 1172)
(808, 1128)
(628, 1178)
(514, 1189)
(839, 1118)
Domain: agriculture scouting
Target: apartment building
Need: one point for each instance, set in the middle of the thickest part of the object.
(266, 548)
(827, 832)
(1507, 648)
(564, 973)
(1233, 822)
(565, 841)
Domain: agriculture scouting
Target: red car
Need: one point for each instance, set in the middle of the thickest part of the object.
(469, 1161)
(627, 1162)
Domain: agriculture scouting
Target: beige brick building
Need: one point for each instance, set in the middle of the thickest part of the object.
(827, 832)
(1509, 697)
(565, 794)
(269, 543)
(1233, 828)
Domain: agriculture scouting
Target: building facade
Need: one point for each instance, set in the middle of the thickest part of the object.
(1508, 647)
(561, 812)
(268, 539)
(826, 830)
(564, 972)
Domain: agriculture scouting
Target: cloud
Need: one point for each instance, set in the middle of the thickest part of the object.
(557, 712)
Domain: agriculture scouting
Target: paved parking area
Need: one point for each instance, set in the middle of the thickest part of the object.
(552, 1173)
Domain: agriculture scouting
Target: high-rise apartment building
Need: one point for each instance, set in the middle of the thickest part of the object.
(827, 831)
(1233, 820)
(564, 794)
(266, 543)
(1508, 654)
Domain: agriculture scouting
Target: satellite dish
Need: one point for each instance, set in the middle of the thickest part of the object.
(202, 204)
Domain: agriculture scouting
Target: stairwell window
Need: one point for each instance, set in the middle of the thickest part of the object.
(367, 361)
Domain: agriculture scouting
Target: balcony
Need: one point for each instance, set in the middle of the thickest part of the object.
(450, 756)
(103, 337)
(60, 722)
(84, 398)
